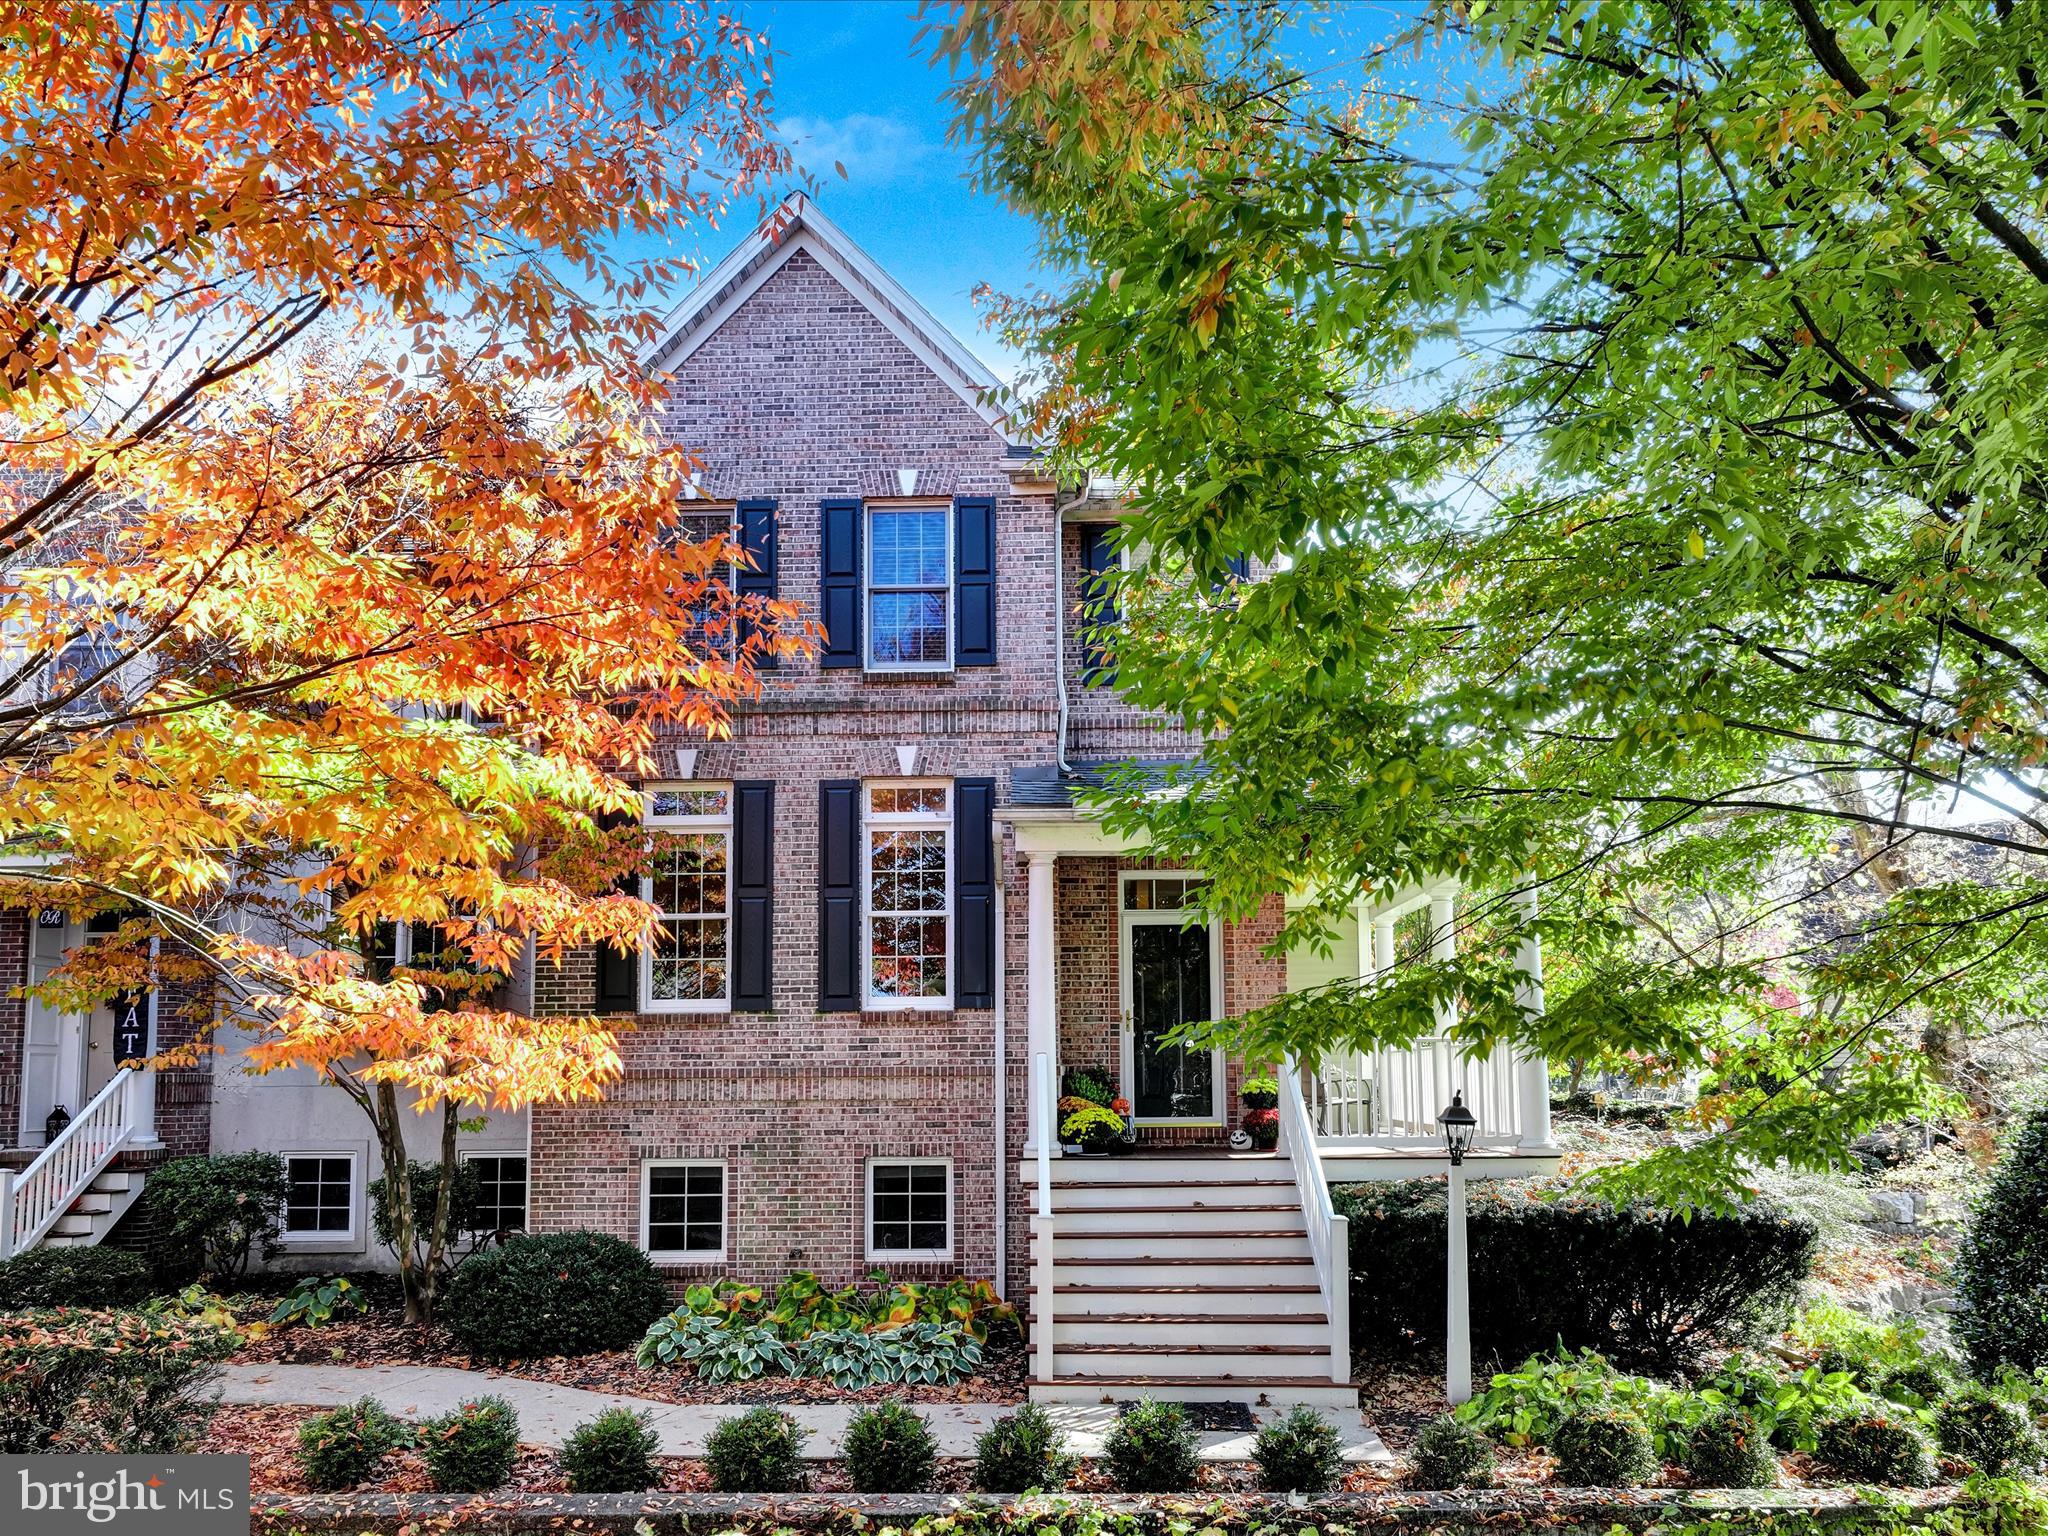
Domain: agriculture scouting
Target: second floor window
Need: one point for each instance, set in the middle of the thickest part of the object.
(688, 967)
(908, 843)
(910, 588)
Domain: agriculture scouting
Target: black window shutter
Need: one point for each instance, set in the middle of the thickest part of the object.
(753, 895)
(974, 581)
(618, 975)
(1241, 567)
(1098, 602)
(839, 895)
(839, 580)
(974, 892)
(762, 578)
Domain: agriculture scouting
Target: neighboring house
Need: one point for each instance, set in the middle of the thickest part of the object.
(888, 928)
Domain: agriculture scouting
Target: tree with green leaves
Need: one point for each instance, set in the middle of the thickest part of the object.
(1650, 450)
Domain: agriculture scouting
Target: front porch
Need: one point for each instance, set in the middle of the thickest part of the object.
(1184, 1268)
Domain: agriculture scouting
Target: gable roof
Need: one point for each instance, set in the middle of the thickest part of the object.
(798, 225)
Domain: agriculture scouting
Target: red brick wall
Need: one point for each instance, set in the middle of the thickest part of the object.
(800, 395)
(13, 1018)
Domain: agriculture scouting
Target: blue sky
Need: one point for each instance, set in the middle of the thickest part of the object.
(851, 85)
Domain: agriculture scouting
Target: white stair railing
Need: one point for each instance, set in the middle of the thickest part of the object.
(32, 1200)
(1043, 1274)
(1329, 1235)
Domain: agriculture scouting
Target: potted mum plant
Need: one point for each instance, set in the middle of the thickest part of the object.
(1093, 1121)
(1261, 1118)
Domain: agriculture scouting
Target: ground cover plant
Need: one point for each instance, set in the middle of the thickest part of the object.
(899, 1333)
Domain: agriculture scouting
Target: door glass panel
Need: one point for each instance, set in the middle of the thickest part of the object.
(1169, 987)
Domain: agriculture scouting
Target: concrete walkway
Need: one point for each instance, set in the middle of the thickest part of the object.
(547, 1412)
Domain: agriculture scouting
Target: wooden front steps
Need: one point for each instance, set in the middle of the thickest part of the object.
(1182, 1277)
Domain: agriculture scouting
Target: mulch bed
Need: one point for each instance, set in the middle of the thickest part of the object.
(383, 1338)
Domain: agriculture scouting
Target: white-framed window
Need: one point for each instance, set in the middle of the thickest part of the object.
(321, 1202)
(714, 632)
(909, 588)
(682, 1209)
(688, 967)
(907, 868)
(910, 1208)
(500, 1190)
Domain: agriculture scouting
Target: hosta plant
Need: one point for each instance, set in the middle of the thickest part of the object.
(719, 1350)
(923, 1354)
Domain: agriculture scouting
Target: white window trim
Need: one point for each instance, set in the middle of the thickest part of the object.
(910, 1255)
(349, 1240)
(648, 1002)
(703, 510)
(687, 1255)
(867, 586)
(467, 1154)
(902, 821)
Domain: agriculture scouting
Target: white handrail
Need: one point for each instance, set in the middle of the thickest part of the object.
(1044, 1276)
(44, 1190)
(1329, 1235)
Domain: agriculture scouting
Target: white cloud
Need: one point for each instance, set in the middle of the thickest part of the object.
(873, 149)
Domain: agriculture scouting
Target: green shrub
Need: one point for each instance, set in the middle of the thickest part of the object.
(1875, 1447)
(1021, 1452)
(613, 1453)
(1729, 1449)
(1450, 1453)
(211, 1214)
(760, 1451)
(1851, 1344)
(133, 1383)
(1646, 1288)
(1301, 1453)
(1919, 1383)
(316, 1302)
(1151, 1449)
(1992, 1433)
(2001, 1265)
(472, 1450)
(565, 1293)
(73, 1277)
(1603, 1448)
(889, 1449)
(343, 1448)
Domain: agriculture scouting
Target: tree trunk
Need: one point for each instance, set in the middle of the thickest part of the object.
(444, 1199)
(398, 1200)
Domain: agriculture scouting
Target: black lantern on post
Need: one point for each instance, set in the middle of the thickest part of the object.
(1459, 1123)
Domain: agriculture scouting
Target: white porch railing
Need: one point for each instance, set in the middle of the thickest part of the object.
(1043, 1273)
(32, 1200)
(1393, 1097)
(1329, 1235)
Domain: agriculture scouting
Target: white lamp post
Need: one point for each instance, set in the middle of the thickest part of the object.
(1459, 1124)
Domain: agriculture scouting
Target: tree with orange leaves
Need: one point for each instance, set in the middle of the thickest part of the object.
(343, 563)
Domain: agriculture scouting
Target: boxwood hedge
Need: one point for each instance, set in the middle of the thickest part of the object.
(1647, 1289)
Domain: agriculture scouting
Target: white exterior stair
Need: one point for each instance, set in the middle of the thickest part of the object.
(93, 1214)
(1188, 1277)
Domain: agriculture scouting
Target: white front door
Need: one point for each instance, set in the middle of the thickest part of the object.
(53, 1044)
(1171, 974)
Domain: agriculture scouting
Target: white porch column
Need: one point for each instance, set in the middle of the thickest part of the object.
(1532, 1069)
(1041, 1016)
(1443, 945)
(1382, 945)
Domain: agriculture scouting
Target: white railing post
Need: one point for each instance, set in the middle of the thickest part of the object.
(6, 1213)
(65, 1169)
(1328, 1233)
(1041, 1018)
(1533, 1067)
(1045, 1275)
